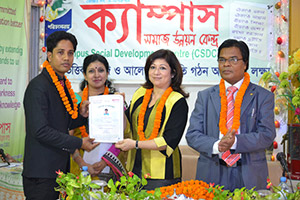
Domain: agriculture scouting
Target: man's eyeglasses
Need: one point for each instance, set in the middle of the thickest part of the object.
(232, 60)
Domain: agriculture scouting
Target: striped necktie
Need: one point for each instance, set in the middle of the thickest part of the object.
(229, 158)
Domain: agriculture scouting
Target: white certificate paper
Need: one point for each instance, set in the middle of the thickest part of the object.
(106, 117)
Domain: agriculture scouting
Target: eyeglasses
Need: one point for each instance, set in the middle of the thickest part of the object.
(232, 60)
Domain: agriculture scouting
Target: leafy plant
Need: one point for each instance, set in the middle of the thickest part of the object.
(131, 187)
(245, 194)
(73, 187)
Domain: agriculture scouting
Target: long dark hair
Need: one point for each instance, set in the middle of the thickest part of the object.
(176, 69)
(92, 58)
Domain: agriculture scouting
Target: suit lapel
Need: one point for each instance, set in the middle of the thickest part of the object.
(215, 98)
(249, 95)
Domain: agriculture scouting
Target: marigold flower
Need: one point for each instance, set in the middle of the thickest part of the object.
(61, 90)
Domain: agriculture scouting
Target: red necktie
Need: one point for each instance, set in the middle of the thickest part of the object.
(229, 158)
(62, 83)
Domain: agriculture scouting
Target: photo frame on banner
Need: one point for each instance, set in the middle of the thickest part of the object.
(127, 32)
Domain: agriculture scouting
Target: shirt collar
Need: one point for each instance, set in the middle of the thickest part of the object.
(59, 77)
(237, 84)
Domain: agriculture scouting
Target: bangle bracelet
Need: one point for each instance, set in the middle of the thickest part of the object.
(137, 144)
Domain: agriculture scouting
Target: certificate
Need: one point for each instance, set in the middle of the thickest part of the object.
(106, 117)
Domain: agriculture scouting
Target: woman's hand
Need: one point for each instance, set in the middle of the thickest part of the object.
(126, 144)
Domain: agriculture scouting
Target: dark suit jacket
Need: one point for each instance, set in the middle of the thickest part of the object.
(47, 143)
(257, 132)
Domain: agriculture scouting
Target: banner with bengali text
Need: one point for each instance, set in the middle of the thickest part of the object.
(126, 32)
(13, 76)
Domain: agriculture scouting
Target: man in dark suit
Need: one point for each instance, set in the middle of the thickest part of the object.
(50, 112)
(233, 155)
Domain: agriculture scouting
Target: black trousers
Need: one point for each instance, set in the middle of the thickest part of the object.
(40, 188)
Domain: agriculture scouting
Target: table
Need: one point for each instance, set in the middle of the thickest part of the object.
(11, 186)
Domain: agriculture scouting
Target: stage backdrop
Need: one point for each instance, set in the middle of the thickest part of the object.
(127, 31)
(13, 76)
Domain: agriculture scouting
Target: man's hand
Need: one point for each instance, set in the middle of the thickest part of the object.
(88, 144)
(92, 171)
(9, 158)
(84, 109)
(99, 166)
(227, 141)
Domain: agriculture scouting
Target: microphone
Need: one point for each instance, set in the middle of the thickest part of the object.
(3, 156)
(281, 158)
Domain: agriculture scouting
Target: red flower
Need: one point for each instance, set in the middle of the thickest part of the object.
(59, 172)
(130, 174)
(211, 184)
(147, 175)
(297, 111)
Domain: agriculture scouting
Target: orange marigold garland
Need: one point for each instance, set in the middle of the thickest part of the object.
(237, 104)
(193, 189)
(85, 95)
(157, 120)
(62, 93)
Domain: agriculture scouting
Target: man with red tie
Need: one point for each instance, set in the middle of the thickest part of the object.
(232, 124)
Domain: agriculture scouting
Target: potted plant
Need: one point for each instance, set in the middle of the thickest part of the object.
(73, 187)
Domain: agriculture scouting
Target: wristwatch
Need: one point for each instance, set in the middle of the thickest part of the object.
(137, 144)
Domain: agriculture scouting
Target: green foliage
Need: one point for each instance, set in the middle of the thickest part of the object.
(75, 187)
(245, 194)
(131, 187)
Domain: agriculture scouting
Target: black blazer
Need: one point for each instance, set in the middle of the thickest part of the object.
(47, 144)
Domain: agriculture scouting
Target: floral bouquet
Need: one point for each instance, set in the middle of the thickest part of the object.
(286, 86)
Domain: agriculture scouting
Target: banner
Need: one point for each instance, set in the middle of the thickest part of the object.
(13, 77)
(126, 32)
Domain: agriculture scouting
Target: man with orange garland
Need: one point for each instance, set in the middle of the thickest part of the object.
(50, 111)
(232, 124)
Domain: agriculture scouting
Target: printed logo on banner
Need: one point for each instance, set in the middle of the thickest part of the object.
(58, 16)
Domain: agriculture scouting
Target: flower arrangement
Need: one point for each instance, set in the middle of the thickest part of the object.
(193, 189)
(286, 86)
(198, 190)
